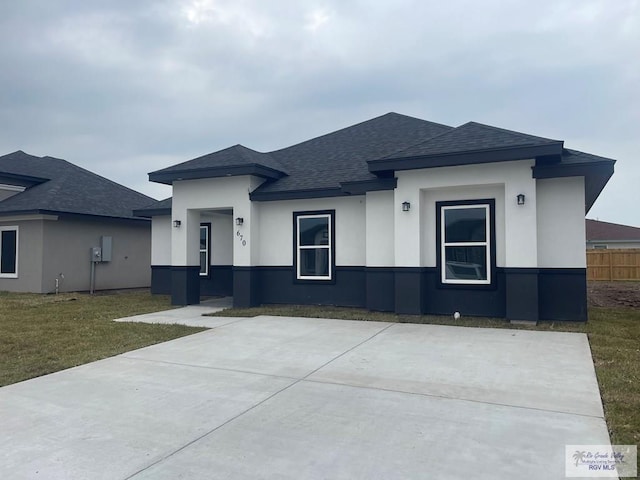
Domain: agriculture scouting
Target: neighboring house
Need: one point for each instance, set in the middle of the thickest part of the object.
(601, 235)
(392, 214)
(52, 213)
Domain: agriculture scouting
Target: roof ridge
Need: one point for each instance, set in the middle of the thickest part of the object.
(357, 125)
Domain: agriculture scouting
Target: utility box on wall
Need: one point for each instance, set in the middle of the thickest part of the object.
(96, 254)
(106, 245)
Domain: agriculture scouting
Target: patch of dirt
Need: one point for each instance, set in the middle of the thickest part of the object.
(614, 294)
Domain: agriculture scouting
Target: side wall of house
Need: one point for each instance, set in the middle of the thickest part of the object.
(562, 259)
(67, 254)
(29, 256)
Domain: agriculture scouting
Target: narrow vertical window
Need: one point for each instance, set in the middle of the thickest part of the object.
(9, 252)
(465, 244)
(205, 249)
(314, 246)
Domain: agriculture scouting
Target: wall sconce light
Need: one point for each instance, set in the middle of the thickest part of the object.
(239, 221)
(520, 198)
(177, 223)
(406, 206)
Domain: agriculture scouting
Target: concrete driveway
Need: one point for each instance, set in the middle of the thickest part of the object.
(295, 398)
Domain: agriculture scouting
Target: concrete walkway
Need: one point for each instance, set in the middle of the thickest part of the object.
(296, 398)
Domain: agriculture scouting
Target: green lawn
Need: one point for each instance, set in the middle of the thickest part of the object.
(41, 334)
(614, 336)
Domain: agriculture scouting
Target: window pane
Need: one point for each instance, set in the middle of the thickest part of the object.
(466, 263)
(8, 254)
(203, 238)
(465, 225)
(314, 231)
(314, 262)
(203, 262)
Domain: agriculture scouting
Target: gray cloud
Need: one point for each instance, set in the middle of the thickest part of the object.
(123, 88)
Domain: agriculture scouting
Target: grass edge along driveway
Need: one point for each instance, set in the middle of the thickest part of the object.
(41, 334)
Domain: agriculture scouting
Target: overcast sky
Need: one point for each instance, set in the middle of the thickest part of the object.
(126, 87)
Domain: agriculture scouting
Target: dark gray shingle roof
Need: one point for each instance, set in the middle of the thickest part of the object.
(67, 189)
(323, 162)
(235, 156)
(469, 137)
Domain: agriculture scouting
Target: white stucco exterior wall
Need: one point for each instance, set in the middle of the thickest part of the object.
(516, 243)
(190, 197)
(379, 234)
(276, 229)
(561, 226)
(161, 240)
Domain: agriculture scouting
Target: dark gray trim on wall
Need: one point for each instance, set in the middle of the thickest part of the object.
(245, 287)
(161, 279)
(469, 300)
(555, 294)
(409, 294)
(522, 302)
(185, 285)
(219, 281)
(562, 294)
(381, 289)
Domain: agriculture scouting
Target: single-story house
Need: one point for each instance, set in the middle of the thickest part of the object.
(393, 214)
(603, 235)
(53, 215)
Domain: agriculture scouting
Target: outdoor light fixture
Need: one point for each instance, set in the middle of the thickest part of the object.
(239, 221)
(520, 198)
(406, 206)
(177, 223)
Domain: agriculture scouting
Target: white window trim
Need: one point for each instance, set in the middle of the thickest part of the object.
(206, 250)
(486, 243)
(17, 230)
(328, 247)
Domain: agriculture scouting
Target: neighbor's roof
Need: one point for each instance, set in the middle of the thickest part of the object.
(57, 186)
(601, 231)
(365, 156)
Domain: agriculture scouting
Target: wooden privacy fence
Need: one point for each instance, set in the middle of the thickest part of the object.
(613, 264)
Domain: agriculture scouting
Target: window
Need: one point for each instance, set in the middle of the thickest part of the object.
(465, 242)
(599, 247)
(314, 240)
(8, 252)
(205, 249)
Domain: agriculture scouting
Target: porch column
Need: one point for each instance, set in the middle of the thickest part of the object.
(246, 285)
(185, 257)
(521, 251)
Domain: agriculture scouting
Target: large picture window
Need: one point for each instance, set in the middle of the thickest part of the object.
(205, 249)
(465, 243)
(314, 245)
(8, 252)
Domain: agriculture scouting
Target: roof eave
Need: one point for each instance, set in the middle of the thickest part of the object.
(40, 211)
(465, 158)
(596, 175)
(168, 177)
